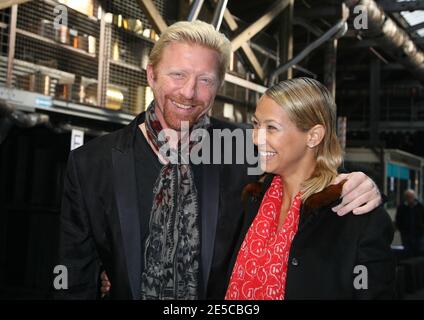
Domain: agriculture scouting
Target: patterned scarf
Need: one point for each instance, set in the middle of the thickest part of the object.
(172, 248)
(261, 267)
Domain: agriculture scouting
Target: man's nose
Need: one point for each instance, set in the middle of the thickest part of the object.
(188, 91)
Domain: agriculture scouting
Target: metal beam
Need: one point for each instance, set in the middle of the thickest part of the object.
(416, 27)
(261, 23)
(374, 100)
(250, 55)
(266, 52)
(152, 13)
(320, 11)
(341, 25)
(219, 14)
(308, 26)
(419, 41)
(244, 83)
(8, 3)
(393, 6)
(12, 43)
(195, 10)
(416, 125)
(285, 40)
(330, 66)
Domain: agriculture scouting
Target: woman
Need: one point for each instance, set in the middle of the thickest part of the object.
(296, 247)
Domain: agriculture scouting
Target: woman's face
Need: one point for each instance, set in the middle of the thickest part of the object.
(282, 146)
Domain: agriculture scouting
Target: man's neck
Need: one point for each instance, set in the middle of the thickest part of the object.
(142, 127)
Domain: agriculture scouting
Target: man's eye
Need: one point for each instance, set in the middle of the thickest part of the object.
(255, 123)
(206, 81)
(177, 75)
(271, 128)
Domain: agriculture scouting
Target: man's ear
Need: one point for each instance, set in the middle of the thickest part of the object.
(150, 75)
(315, 135)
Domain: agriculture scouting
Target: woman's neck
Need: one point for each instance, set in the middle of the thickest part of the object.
(293, 180)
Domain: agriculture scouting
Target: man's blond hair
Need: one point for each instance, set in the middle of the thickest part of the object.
(194, 32)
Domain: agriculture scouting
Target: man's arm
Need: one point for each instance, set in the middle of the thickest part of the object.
(360, 194)
(77, 251)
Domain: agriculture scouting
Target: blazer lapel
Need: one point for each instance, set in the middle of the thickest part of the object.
(209, 206)
(125, 187)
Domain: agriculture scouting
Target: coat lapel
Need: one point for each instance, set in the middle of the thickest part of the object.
(125, 187)
(209, 199)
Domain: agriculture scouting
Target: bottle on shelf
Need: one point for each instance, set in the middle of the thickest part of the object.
(62, 34)
(74, 39)
(91, 45)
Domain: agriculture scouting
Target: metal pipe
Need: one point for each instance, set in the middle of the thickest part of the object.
(195, 10)
(219, 14)
(392, 37)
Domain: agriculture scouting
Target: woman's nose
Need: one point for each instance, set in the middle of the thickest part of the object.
(259, 136)
(255, 136)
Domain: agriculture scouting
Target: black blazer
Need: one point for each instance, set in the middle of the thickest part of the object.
(100, 219)
(327, 248)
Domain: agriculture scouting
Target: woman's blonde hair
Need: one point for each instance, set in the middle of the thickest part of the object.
(194, 32)
(308, 103)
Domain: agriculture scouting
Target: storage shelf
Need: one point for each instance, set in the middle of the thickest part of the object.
(32, 102)
(123, 64)
(46, 40)
(131, 33)
(55, 3)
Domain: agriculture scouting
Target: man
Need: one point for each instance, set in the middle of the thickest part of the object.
(410, 222)
(163, 230)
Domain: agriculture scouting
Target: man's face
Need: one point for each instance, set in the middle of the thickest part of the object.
(410, 197)
(184, 83)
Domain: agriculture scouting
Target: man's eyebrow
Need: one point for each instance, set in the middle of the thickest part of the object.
(210, 75)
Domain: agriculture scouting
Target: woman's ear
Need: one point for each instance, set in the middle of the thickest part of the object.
(315, 135)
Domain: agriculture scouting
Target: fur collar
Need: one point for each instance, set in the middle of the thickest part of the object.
(324, 198)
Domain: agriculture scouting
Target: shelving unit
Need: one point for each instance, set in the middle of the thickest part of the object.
(53, 64)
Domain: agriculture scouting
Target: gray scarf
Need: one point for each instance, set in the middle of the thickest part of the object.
(172, 248)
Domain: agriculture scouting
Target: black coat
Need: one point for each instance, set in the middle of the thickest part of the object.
(100, 218)
(408, 225)
(327, 248)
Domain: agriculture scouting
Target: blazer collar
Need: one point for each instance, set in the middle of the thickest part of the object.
(125, 187)
(125, 140)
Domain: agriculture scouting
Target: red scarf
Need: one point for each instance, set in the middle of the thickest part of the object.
(261, 267)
